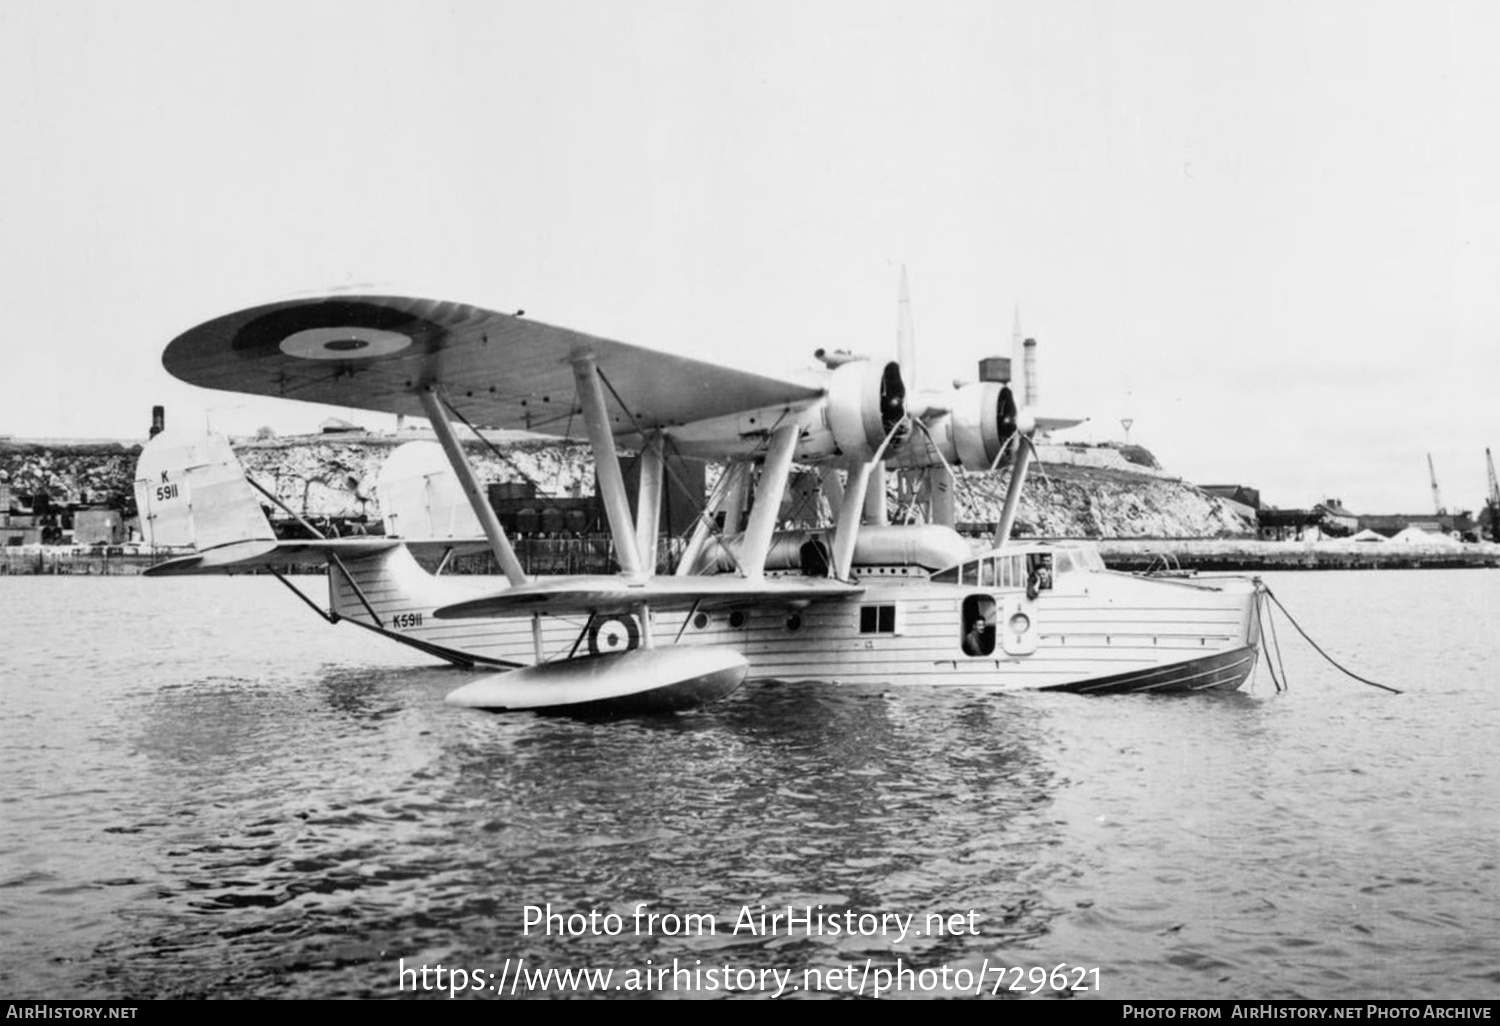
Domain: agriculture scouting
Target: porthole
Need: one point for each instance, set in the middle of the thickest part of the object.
(794, 622)
(700, 621)
(737, 619)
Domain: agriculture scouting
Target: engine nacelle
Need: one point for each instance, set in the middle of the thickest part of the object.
(866, 400)
(984, 419)
(974, 424)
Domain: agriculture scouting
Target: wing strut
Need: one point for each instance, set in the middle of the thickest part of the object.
(1013, 491)
(940, 497)
(432, 402)
(739, 491)
(876, 511)
(720, 502)
(850, 510)
(607, 463)
(648, 500)
(773, 477)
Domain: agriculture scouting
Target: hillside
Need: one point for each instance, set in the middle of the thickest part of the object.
(1074, 494)
(1067, 501)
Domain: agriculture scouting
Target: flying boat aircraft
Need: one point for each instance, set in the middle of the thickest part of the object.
(859, 600)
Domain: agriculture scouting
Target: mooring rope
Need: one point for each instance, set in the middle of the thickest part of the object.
(1262, 617)
(1334, 662)
(1286, 682)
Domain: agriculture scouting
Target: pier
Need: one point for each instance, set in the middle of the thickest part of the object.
(592, 554)
(1234, 554)
(67, 561)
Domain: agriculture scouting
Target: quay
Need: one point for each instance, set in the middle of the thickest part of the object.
(591, 554)
(1236, 554)
(66, 561)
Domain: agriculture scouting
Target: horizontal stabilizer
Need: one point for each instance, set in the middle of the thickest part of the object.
(603, 594)
(243, 557)
(1050, 422)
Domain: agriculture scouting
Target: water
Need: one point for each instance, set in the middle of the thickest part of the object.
(205, 791)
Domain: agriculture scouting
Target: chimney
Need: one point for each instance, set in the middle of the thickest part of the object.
(995, 368)
(1029, 370)
(158, 420)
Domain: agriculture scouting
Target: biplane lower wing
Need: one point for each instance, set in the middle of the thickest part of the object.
(569, 595)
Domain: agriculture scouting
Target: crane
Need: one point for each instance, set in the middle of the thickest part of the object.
(1437, 500)
(1493, 499)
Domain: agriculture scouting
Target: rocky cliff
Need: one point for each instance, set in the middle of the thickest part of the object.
(334, 476)
(70, 473)
(1065, 501)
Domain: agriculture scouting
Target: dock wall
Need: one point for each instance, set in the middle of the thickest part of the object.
(1140, 554)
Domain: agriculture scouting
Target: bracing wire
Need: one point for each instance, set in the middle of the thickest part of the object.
(494, 450)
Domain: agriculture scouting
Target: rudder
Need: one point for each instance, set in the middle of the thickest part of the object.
(191, 491)
(420, 498)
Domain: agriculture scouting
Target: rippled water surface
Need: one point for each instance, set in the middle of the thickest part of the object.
(205, 791)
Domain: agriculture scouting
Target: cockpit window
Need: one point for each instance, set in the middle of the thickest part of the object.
(1008, 571)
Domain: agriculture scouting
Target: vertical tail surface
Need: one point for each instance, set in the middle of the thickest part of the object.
(191, 491)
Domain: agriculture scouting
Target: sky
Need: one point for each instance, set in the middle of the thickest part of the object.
(1268, 234)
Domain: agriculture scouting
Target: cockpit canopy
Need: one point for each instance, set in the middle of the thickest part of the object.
(1010, 568)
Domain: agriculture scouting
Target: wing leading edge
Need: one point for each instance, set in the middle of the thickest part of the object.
(379, 352)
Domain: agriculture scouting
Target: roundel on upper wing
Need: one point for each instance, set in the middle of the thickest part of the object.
(341, 343)
(346, 330)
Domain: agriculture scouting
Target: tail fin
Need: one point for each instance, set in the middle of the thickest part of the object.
(420, 498)
(191, 491)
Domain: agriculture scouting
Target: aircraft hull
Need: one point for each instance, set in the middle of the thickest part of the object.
(1224, 671)
(1094, 632)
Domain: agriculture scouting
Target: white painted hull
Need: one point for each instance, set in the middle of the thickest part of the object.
(1092, 627)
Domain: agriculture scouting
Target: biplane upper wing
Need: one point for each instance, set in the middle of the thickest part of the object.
(379, 352)
(599, 594)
